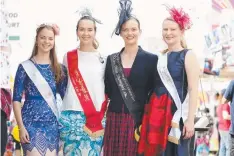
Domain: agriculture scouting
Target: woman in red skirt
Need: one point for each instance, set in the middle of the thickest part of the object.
(168, 122)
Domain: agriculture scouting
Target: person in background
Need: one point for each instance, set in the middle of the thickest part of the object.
(224, 122)
(229, 97)
(5, 53)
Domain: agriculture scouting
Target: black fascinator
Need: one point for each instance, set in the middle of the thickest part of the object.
(124, 14)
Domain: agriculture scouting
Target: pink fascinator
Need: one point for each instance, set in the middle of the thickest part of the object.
(54, 26)
(56, 29)
(180, 17)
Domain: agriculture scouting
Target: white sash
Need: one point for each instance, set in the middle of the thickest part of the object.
(182, 109)
(42, 85)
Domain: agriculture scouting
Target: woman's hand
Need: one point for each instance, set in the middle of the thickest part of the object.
(188, 129)
(24, 136)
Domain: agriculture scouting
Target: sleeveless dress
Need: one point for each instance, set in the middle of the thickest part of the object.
(159, 112)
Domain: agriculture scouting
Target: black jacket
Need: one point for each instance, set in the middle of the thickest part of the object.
(141, 79)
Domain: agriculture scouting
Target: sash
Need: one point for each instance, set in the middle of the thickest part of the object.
(42, 85)
(93, 126)
(182, 109)
(124, 86)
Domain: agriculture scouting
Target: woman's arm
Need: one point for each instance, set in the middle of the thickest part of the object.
(17, 97)
(18, 115)
(62, 85)
(17, 94)
(192, 71)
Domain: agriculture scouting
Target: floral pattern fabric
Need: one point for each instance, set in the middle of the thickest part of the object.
(75, 140)
(38, 118)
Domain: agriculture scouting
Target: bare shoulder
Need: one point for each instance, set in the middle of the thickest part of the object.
(190, 54)
(191, 57)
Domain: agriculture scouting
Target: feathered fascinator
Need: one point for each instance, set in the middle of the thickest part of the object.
(124, 14)
(85, 12)
(53, 25)
(180, 17)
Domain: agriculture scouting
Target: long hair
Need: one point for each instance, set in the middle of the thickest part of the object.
(95, 41)
(182, 41)
(56, 67)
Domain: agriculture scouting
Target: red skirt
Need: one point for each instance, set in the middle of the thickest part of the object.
(119, 135)
(155, 126)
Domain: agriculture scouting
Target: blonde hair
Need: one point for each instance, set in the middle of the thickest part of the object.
(182, 41)
(56, 67)
(95, 44)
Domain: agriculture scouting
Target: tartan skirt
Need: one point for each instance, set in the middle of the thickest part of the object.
(119, 135)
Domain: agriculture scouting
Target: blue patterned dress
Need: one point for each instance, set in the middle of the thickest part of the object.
(37, 116)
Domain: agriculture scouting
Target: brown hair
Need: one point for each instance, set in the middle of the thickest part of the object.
(182, 42)
(131, 18)
(95, 42)
(56, 67)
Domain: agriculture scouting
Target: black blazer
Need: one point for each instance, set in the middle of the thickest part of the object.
(141, 79)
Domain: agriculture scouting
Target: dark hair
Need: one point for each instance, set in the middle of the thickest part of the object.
(95, 42)
(134, 18)
(217, 94)
(56, 67)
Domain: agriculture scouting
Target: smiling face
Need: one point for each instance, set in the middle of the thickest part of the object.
(86, 31)
(171, 33)
(130, 32)
(45, 40)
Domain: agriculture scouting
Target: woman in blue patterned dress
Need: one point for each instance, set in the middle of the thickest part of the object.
(37, 120)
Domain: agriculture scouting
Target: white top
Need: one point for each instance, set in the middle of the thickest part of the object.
(92, 71)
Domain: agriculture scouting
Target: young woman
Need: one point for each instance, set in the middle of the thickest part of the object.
(40, 78)
(168, 122)
(128, 81)
(84, 104)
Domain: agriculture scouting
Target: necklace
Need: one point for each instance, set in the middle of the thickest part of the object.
(34, 60)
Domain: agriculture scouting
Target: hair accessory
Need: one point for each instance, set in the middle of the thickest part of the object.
(85, 12)
(180, 17)
(53, 25)
(124, 14)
